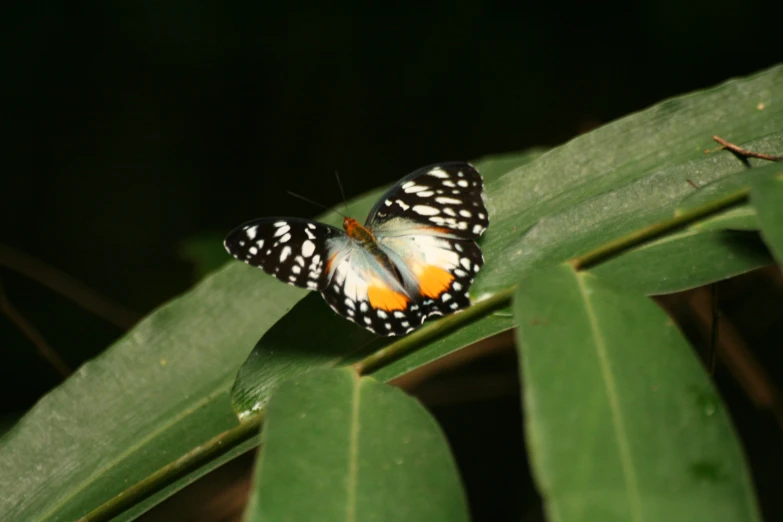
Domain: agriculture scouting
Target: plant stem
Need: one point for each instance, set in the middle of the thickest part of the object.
(32, 333)
(652, 232)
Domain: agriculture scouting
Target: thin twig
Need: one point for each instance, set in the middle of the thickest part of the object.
(715, 325)
(68, 286)
(744, 152)
(737, 356)
(29, 331)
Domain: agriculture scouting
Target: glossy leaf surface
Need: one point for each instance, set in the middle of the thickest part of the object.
(622, 421)
(336, 447)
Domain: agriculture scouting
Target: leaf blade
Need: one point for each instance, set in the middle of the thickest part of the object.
(328, 452)
(654, 442)
(766, 196)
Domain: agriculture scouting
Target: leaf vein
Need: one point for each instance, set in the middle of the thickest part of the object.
(618, 421)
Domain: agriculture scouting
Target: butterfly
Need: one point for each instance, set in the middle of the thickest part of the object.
(415, 257)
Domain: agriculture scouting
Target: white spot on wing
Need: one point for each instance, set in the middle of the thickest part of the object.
(285, 253)
(308, 247)
(462, 183)
(465, 213)
(251, 232)
(402, 204)
(425, 210)
(285, 238)
(438, 173)
(282, 230)
(478, 229)
(425, 194)
(280, 224)
(414, 188)
(443, 200)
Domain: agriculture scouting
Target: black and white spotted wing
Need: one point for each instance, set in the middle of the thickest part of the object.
(446, 196)
(291, 249)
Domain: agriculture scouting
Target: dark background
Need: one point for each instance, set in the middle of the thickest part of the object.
(137, 133)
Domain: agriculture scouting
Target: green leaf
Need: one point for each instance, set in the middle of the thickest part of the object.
(742, 218)
(767, 198)
(279, 355)
(337, 447)
(622, 422)
(577, 216)
(742, 181)
(685, 260)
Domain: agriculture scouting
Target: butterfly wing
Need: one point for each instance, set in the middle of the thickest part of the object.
(362, 290)
(293, 250)
(426, 225)
(446, 196)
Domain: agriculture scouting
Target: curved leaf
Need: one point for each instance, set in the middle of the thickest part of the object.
(622, 422)
(766, 196)
(337, 447)
(686, 260)
(740, 218)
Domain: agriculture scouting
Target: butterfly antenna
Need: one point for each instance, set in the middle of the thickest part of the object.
(342, 192)
(303, 198)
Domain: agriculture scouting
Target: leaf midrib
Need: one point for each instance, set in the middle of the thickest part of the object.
(353, 450)
(618, 422)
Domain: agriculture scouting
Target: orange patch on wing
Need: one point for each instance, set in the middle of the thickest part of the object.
(329, 263)
(385, 298)
(433, 281)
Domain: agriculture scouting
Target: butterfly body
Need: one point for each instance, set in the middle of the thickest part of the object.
(415, 256)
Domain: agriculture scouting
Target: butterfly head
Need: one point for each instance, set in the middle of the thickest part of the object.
(356, 231)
